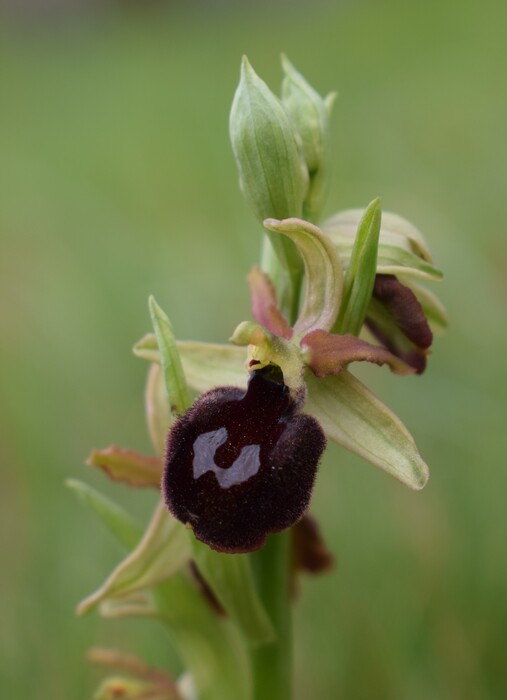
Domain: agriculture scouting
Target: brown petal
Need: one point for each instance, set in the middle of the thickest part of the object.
(127, 466)
(329, 354)
(264, 306)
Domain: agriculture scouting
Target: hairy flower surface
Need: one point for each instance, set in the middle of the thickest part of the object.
(240, 465)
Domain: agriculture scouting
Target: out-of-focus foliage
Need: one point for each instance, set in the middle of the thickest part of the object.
(116, 181)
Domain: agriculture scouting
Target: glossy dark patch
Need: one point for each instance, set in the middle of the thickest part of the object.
(240, 465)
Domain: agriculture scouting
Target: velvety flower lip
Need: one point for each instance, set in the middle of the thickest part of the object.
(240, 465)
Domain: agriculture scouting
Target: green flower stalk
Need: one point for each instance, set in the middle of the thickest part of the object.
(238, 428)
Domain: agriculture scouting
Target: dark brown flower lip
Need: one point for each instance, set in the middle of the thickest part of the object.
(240, 465)
(398, 322)
(405, 308)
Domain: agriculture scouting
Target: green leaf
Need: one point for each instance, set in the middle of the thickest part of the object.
(175, 382)
(323, 273)
(231, 579)
(163, 550)
(352, 416)
(205, 365)
(361, 271)
(127, 466)
(121, 525)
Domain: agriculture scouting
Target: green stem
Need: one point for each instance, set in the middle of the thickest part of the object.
(272, 663)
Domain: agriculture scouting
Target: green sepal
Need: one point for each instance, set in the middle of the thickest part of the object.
(394, 230)
(323, 272)
(360, 273)
(119, 523)
(402, 248)
(205, 365)
(356, 419)
(156, 407)
(163, 550)
(176, 384)
(231, 579)
(134, 604)
(309, 113)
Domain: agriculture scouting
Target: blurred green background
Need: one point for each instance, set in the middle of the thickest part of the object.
(117, 181)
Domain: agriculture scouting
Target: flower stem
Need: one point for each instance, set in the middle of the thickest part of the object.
(272, 663)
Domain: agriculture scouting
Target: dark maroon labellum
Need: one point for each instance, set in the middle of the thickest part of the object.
(240, 465)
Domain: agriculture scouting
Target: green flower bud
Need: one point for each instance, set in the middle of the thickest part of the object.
(273, 177)
(272, 172)
(309, 113)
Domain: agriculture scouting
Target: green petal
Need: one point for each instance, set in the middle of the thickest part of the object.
(352, 416)
(119, 523)
(176, 385)
(163, 550)
(361, 271)
(231, 579)
(323, 288)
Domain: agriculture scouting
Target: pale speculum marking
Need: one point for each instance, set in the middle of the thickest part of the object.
(243, 468)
